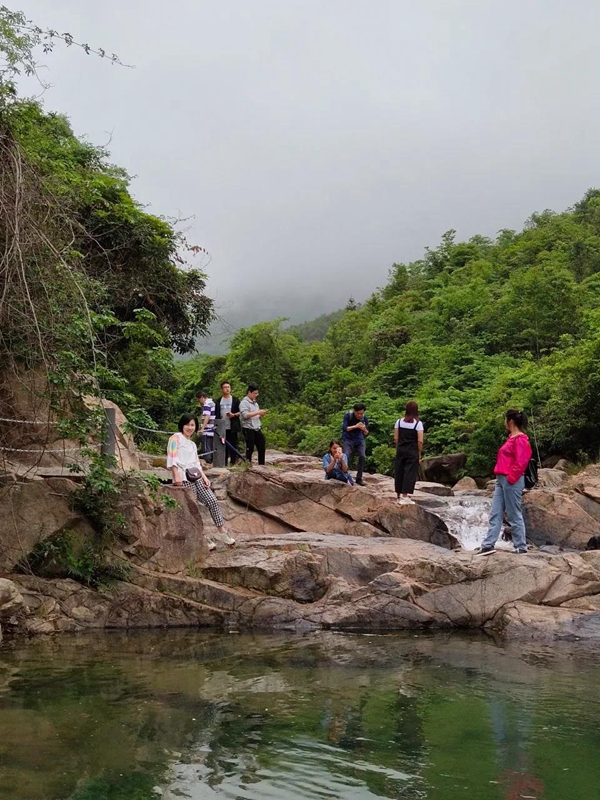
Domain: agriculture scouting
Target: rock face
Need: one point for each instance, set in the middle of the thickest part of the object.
(11, 603)
(303, 581)
(555, 518)
(311, 553)
(304, 504)
(444, 469)
(64, 605)
(34, 511)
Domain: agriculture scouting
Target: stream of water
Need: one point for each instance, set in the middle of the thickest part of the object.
(188, 714)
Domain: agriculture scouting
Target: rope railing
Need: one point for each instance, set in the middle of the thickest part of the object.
(72, 449)
(77, 449)
(29, 421)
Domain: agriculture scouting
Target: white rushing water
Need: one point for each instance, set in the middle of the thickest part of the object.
(467, 518)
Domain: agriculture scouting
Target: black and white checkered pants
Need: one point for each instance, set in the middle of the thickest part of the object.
(207, 498)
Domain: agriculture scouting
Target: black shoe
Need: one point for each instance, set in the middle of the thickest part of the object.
(520, 551)
(359, 482)
(486, 551)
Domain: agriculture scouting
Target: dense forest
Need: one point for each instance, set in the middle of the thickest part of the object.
(470, 329)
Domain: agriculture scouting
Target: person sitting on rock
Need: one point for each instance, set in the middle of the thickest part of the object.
(512, 461)
(408, 438)
(335, 464)
(182, 454)
(355, 428)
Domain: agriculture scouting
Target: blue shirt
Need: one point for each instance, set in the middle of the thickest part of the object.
(356, 435)
(327, 458)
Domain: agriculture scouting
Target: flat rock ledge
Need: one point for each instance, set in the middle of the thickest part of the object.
(306, 581)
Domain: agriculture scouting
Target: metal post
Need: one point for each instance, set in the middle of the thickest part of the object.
(109, 445)
(219, 454)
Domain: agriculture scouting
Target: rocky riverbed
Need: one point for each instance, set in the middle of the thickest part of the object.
(313, 554)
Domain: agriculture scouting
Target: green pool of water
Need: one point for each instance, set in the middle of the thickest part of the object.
(185, 714)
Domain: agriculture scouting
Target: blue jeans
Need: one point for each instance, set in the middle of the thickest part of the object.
(339, 475)
(351, 447)
(507, 497)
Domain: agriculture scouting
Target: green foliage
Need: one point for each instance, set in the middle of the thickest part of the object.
(315, 329)
(69, 555)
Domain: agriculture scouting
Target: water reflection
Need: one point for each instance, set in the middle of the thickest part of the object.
(212, 715)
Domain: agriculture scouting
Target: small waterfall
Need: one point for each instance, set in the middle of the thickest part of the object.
(467, 518)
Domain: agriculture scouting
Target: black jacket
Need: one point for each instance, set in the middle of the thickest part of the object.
(236, 425)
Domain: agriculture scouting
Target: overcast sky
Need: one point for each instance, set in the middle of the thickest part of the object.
(317, 142)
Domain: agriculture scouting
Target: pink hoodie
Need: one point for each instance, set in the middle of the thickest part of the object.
(513, 457)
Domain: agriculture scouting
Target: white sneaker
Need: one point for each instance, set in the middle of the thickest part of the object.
(223, 536)
(406, 501)
(210, 544)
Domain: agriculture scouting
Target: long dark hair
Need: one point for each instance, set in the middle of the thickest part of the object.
(412, 412)
(185, 418)
(518, 417)
(332, 442)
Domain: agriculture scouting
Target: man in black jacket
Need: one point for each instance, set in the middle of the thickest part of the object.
(228, 407)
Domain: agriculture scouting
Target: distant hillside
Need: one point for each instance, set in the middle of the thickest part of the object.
(314, 330)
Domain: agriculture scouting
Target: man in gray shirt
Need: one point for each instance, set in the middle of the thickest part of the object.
(251, 416)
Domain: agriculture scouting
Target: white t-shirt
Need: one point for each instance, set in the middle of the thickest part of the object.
(400, 423)
(181, 453)
(226, 406)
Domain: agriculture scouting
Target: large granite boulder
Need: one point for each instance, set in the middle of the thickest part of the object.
(465, 484)
(444, 469)
(305, 504)
(551, 479)
(165, 539)
(554, 518)
(33, 511)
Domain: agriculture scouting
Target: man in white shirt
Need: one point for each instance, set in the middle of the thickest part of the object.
(251, 416)
(227, 407)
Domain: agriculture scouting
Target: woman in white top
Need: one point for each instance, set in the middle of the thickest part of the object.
(408, 438)
(182, 454)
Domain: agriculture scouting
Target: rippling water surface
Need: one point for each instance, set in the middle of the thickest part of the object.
(184, 714)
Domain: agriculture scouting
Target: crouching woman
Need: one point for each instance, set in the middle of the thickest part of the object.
(182, 455)
(335, 464)
(511, 464)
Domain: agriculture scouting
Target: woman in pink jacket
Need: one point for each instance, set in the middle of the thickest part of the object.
(512, 461)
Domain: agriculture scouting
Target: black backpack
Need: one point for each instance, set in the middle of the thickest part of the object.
(531, 473)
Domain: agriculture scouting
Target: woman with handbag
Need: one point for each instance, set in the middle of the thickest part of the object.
(183, 461)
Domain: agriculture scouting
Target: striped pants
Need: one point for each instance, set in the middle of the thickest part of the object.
(207, 498)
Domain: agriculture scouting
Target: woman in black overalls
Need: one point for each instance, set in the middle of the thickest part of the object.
(408, 437)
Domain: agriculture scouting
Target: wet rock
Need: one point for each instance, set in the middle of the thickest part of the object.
(10, 598)
(433, 488)
(64, 605)
(526, 621)
(465, 485)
